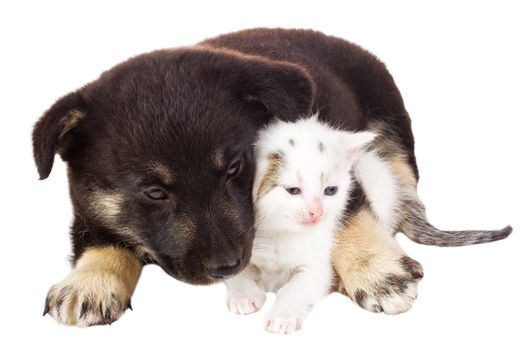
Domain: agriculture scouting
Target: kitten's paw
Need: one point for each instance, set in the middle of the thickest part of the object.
(388, 292)
(285, 318)
(282, 324)
(245, 304)
(86, 298)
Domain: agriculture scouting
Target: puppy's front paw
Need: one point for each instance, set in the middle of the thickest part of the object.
(88, 297)
(390, 288)
(245, 304)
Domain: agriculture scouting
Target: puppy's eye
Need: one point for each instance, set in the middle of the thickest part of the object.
(293, 190)
(235, 168)
(156, 194)
(330, 190)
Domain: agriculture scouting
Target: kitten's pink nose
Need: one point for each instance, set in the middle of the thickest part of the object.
(314, 214)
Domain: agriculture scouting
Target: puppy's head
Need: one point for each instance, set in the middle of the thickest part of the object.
(159, 152)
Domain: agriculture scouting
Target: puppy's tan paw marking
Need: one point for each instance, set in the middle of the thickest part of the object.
(412, 267)
(86, 298)
(392, 293)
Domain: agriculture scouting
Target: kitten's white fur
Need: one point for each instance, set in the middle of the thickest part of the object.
(295, 233)
(379, 186)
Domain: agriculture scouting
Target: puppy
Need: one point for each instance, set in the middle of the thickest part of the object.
(160, 165)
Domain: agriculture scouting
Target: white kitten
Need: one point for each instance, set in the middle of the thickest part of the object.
(301, 186)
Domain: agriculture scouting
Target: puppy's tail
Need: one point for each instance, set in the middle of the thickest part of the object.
(416, 226)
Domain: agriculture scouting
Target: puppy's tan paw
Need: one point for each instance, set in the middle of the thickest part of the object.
(88, 297)
(390, 290)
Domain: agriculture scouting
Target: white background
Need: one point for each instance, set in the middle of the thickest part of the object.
(459, 67)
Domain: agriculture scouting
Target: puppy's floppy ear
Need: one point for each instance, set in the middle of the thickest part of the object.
(51, 131)
(285, 89)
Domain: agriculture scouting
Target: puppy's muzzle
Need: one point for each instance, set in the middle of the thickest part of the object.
(223, 269)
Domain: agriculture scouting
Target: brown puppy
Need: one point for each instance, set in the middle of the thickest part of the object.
(159, 154)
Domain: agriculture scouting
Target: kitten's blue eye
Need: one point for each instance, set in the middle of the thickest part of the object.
(330, 191)
(293, 190)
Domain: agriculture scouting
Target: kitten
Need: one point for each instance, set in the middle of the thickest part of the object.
(301, 185)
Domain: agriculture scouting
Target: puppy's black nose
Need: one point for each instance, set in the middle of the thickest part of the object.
(221, 270)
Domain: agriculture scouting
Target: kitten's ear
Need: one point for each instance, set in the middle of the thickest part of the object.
(355, 142)
(268, 169)
(261, 168)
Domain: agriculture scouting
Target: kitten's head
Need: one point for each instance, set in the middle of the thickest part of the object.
(303, 171)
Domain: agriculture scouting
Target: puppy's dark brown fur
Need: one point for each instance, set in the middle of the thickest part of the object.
(175, 109)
